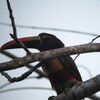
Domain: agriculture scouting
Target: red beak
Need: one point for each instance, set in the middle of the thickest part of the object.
(30, 42)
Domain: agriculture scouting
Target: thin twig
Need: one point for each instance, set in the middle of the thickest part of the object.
(14, 35)
(94, 39)
(20, 43)
(76, 56)
(23, 76)
(89, 42)
(40, 73)
(12, 18)
(45, 55)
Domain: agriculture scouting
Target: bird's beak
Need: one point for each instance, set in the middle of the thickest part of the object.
(30, 42)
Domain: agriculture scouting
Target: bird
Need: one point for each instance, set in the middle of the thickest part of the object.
(62, 72)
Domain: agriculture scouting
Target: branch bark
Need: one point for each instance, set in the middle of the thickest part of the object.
(82, 90)
(20, 62)
(40, 73)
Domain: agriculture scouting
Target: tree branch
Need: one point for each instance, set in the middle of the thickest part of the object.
(23, 76)
(82, 90)
(19, 62)
(40, 73)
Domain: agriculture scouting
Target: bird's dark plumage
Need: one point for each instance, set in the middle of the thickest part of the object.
(62, 72)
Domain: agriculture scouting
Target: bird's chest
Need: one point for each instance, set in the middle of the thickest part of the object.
(56, 71)
(58, 75)
(52, 66)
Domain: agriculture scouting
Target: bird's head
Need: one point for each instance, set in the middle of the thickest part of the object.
(42, 42)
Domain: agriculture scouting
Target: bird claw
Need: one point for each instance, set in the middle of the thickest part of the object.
(51, 97)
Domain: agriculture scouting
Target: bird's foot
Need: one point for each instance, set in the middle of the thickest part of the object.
(51, 97)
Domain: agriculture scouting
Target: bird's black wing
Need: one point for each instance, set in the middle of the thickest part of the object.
(70, 65)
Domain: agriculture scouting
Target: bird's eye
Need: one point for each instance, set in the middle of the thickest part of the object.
(45, 36)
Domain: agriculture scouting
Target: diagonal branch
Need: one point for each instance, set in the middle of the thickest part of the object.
(89, 42)
(23, 76)
(19, 62)
(40, 73)
(81, 90)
